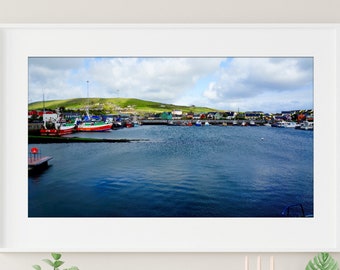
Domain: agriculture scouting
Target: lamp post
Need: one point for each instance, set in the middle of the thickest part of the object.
(87, 84)
(88, 100)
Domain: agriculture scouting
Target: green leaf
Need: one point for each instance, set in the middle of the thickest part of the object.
(57, 264)
(49, 262)
(323, 261)
(56, 256)
(72, 268)
(37, 267)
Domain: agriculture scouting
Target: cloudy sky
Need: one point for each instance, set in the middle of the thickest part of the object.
(244, 84)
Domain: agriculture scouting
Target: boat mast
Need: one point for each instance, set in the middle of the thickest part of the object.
(88, 99)
(44, 118)
(43, 101)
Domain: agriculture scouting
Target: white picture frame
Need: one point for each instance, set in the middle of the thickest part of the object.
(20, 233)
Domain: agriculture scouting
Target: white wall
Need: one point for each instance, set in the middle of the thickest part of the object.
(164, 261)
(166, 11)
(170, 11)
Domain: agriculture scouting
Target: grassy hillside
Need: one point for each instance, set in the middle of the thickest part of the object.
(116, 105)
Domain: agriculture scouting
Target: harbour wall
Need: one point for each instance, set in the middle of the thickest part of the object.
(211, 122)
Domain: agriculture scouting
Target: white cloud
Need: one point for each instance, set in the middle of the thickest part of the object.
(162, 79)
(254, 83)
(233, 83)
(53, 77)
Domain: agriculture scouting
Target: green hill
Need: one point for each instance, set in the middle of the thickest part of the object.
(115, 105)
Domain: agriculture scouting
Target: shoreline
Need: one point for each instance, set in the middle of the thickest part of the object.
(49, 139)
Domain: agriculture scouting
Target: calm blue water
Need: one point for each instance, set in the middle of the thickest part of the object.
(210, 171)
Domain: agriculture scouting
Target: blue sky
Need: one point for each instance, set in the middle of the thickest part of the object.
(262, 84)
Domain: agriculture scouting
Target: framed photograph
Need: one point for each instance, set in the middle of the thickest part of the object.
(179, 138)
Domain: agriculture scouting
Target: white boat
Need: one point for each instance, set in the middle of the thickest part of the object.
(290, 124)
(306, 125)
(252, 123)
(284, 124)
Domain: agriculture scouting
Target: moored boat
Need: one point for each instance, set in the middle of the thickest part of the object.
(252, 123)
(56, 127)
(290, 124)
(305, 125)
(93, 126)
(284, 124)
(129, 124)
(280, 124)
(92, 123)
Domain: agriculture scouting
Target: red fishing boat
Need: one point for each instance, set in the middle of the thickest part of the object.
(92, 123)
(57, 130)
(56, 126)
(93, 126)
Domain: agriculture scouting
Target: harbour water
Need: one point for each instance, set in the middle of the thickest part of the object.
(177, 171)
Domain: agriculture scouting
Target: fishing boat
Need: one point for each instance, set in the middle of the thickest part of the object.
(57, 129)
(56, 126)
(116, 122)
(90, 124)
(93, 126)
